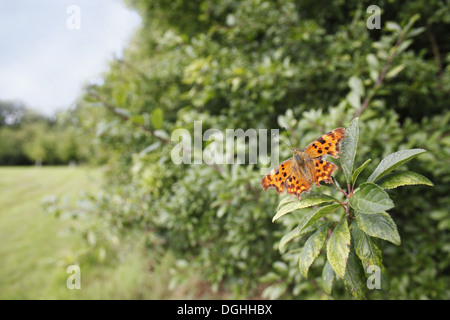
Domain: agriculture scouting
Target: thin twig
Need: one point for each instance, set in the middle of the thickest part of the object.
(125, 118)
(380, 78)
(436, 53)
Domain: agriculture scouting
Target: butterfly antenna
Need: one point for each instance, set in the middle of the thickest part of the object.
(279, 139)
(289, 138)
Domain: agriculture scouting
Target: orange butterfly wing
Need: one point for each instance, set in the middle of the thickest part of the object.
(286, 176)
(328, 144)
(276, 177)
(323, 171)
(296, 184)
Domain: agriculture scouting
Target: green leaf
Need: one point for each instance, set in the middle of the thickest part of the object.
(395, 71)
(378, 225)
(308, 200)
(358, 171)
(368, 249)
(411, 22)
(150, 148)
(338, 247)
(316, 214)
(385, 279)
(289, 207)
(354, 99)
(123, 112)
(393, 161)
(398, 179)
(403, 46)
(354, 278)
(275, 291)
(157, 118)
(415, 32)
(372, 62)
(328, 276)
(356, 85)
(370, 198)
(349, 145)
(393, 26)
(311, 249)
(287, 200)
(377, 277)
(297, 231)
(120, 95)
(137, 119)
(161, 134)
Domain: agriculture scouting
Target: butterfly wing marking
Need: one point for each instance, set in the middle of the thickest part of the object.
(323, 171)
(328, 144)
(296, 184)
(297, 179)
(276, 177)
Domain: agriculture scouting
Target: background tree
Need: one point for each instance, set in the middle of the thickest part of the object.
(27, 137)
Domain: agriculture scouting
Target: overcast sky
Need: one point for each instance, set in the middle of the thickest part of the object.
(45, 59)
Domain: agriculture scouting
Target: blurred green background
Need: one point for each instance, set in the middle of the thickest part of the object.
(143, 227)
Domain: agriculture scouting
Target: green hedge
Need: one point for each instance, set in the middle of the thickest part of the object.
(307, 66)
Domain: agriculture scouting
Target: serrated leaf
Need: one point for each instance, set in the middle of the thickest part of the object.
(354, 278)
(328, 276)
(377, 277)
(368, 249)
(297, 232)
(349, 146)
(358, 171)
(398, 179)
(370, 198)
(311, 249)
(393, 161)
(338, 247)
(287, 200)
(307, 200)
(157, 118)
(379, 225)
(316, 214)
(289, 207)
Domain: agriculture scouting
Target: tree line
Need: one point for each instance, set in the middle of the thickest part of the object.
(28, 137)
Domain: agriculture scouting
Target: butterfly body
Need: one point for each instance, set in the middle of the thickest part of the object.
(306, 167)
(303, 164)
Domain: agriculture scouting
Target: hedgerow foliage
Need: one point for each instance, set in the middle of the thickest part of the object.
(307, 66)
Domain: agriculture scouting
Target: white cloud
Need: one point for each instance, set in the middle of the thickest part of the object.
(45, 64)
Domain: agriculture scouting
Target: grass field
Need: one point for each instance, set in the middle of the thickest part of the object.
(35, 252)
(30, 242)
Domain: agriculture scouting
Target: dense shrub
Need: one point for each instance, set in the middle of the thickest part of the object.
(269, 64)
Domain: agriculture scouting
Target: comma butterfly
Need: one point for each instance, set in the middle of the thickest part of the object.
(306, 167)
